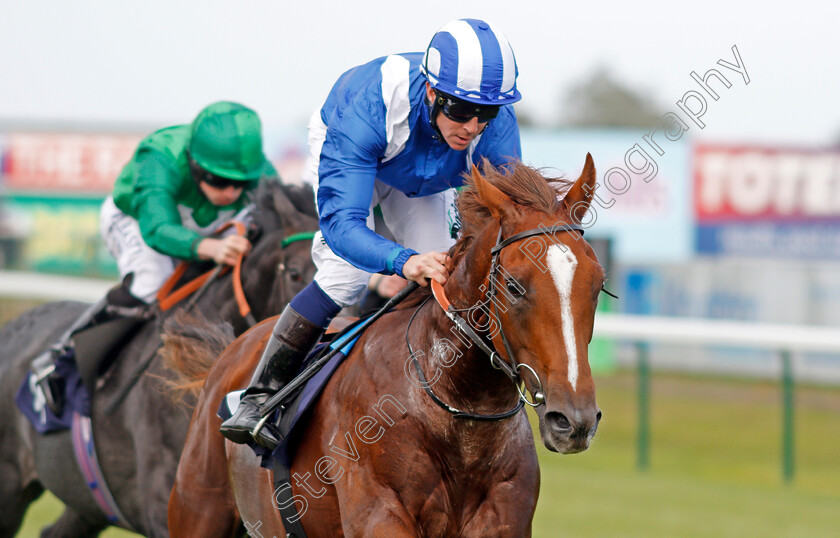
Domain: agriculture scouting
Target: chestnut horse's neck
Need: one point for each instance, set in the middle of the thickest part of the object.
(460, 372)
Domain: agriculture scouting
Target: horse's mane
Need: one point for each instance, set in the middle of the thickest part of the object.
(526, 186)
(301, 196)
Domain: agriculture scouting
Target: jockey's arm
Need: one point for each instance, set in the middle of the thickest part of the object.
(157, 210)
(347, 174)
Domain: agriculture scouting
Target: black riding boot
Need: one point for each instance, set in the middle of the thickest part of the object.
(292, 338)
(43, 366)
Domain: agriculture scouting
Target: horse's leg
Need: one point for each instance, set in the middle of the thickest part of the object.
(502, 515)
(507, 508)
(20, 340)
(377, 512)
(145, 434)
(14, 498)
(71, 524)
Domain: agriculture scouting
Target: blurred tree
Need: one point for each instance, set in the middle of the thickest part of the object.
(603, 101)
(524, 118)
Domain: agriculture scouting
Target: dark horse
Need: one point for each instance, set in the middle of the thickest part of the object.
(139, 441)
(382, 457)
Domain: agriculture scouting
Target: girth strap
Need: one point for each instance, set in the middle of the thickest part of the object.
(285, 502)
(85, 452)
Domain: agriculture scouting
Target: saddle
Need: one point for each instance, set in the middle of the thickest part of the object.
(95, 346)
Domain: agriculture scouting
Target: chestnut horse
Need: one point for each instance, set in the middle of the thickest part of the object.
(418, 433)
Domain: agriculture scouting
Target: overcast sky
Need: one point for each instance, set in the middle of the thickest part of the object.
(158, 62)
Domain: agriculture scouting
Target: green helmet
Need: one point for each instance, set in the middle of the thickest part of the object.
(226, 140)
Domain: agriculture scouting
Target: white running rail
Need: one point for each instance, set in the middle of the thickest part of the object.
(695, 331)
(40, 286)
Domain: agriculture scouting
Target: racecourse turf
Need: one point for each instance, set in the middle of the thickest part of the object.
(715, 466)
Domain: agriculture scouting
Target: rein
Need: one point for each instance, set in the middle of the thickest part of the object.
(510, 367)
(457, 413)
(168, 298)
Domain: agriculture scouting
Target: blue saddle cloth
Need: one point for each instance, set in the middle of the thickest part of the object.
(31, 402)
(293, 421)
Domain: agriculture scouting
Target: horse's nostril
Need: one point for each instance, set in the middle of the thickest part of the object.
(598, 417)
(558, 422)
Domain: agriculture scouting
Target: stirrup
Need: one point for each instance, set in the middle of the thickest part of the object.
(43, 369)
(41, 375)
(51, 392)
(255, 433)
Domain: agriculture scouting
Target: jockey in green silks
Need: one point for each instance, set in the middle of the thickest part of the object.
(181, 184)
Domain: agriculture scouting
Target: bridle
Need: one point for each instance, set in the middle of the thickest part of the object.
(510, 367)
(281, 267)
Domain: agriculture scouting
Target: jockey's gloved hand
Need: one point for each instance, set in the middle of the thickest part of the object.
(430, 265)
(225, 250)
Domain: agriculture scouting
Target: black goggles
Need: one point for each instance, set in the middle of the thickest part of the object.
(461, 111)
(217, 182)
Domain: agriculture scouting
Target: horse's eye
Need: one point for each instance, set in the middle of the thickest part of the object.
(294, 275)
(515, 288)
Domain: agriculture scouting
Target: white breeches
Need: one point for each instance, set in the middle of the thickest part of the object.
(122, 236)
(422, 224)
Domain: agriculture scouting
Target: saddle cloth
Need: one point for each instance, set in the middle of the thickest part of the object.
(94, 349)
(32, 403)
(293, 419)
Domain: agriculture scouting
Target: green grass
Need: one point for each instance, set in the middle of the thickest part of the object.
(46, 510)
(715, 465)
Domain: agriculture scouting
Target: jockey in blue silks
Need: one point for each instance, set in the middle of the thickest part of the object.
(398, 131)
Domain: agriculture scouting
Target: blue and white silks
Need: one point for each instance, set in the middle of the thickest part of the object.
(377, 128)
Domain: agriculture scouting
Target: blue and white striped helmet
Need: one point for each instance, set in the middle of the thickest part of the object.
(471, 60)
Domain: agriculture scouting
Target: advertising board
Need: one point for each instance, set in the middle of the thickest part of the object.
(767, 202)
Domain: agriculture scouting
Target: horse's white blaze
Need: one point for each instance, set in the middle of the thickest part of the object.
(562, 265)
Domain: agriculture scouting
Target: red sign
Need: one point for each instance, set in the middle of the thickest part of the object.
(763, 184)
(66, 162)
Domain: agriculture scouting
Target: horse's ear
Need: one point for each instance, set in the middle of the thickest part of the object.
(579, 196)
(287, 211)
(496, 201)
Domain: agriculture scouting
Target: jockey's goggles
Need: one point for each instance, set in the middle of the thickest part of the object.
(217, 182)
(461, 111)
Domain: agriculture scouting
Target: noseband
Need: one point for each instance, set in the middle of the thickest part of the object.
(510, 366)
